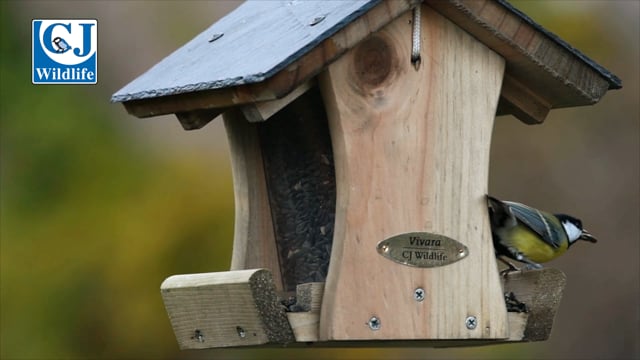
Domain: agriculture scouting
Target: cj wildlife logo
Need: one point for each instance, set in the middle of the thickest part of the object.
(64, 51)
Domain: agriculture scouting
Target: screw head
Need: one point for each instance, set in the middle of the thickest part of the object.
(471, 322)
(317, 20)
(198, 336)
(418, 294)
(374, 323)
(241, 332)
(215, 37)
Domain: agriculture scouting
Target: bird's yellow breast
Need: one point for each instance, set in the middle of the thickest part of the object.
(530, 245)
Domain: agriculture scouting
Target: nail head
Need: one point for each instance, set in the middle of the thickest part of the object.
(215, 37)
(317, 20)
(241, 332)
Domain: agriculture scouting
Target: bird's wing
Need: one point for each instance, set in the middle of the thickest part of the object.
(535, 220)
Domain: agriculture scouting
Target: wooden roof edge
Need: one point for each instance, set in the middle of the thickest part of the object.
(543, 72)
(539, 59)
(614, 81)
(539, 62)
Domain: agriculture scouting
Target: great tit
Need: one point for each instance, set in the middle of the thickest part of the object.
(531, 236)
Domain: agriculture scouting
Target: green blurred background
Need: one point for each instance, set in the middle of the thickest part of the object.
(98, 207)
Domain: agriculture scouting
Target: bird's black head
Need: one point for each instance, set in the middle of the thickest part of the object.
(568, 218)
(573, 227)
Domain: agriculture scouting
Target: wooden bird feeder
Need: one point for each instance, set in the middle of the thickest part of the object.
(359, 134)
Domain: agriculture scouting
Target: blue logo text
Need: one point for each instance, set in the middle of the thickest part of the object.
(64, 51)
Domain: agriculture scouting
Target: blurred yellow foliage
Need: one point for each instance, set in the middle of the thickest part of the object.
(91, 225)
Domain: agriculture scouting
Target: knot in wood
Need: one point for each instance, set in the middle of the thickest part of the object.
(373, 62)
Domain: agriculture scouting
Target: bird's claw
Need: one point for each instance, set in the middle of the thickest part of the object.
(532, 267)
(508, 270)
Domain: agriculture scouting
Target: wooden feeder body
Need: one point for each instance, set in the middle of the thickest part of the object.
(411, 149)
(351, 145)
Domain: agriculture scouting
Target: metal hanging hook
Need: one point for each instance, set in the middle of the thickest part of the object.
(415, 44)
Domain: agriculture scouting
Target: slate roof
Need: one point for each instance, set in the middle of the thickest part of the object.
(260, 38)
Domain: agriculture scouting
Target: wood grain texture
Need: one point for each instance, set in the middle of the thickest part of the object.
(556, 74)
(197, 119)
(523, 103)
(232, 308)
(262, 111)
(304, 325)
(254, 244)
(541, 291)
(240, 308)
(412, 151)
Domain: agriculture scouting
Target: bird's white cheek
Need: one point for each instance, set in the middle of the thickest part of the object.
(573, 233)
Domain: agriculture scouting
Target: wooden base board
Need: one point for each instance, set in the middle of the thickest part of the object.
(239, 308)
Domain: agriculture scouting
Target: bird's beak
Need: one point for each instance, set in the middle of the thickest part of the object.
(587, 236)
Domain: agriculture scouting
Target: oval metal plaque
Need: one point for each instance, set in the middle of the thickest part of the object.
(422, 249)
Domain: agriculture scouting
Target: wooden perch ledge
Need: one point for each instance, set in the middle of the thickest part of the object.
(240, 308)
(231, 308)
